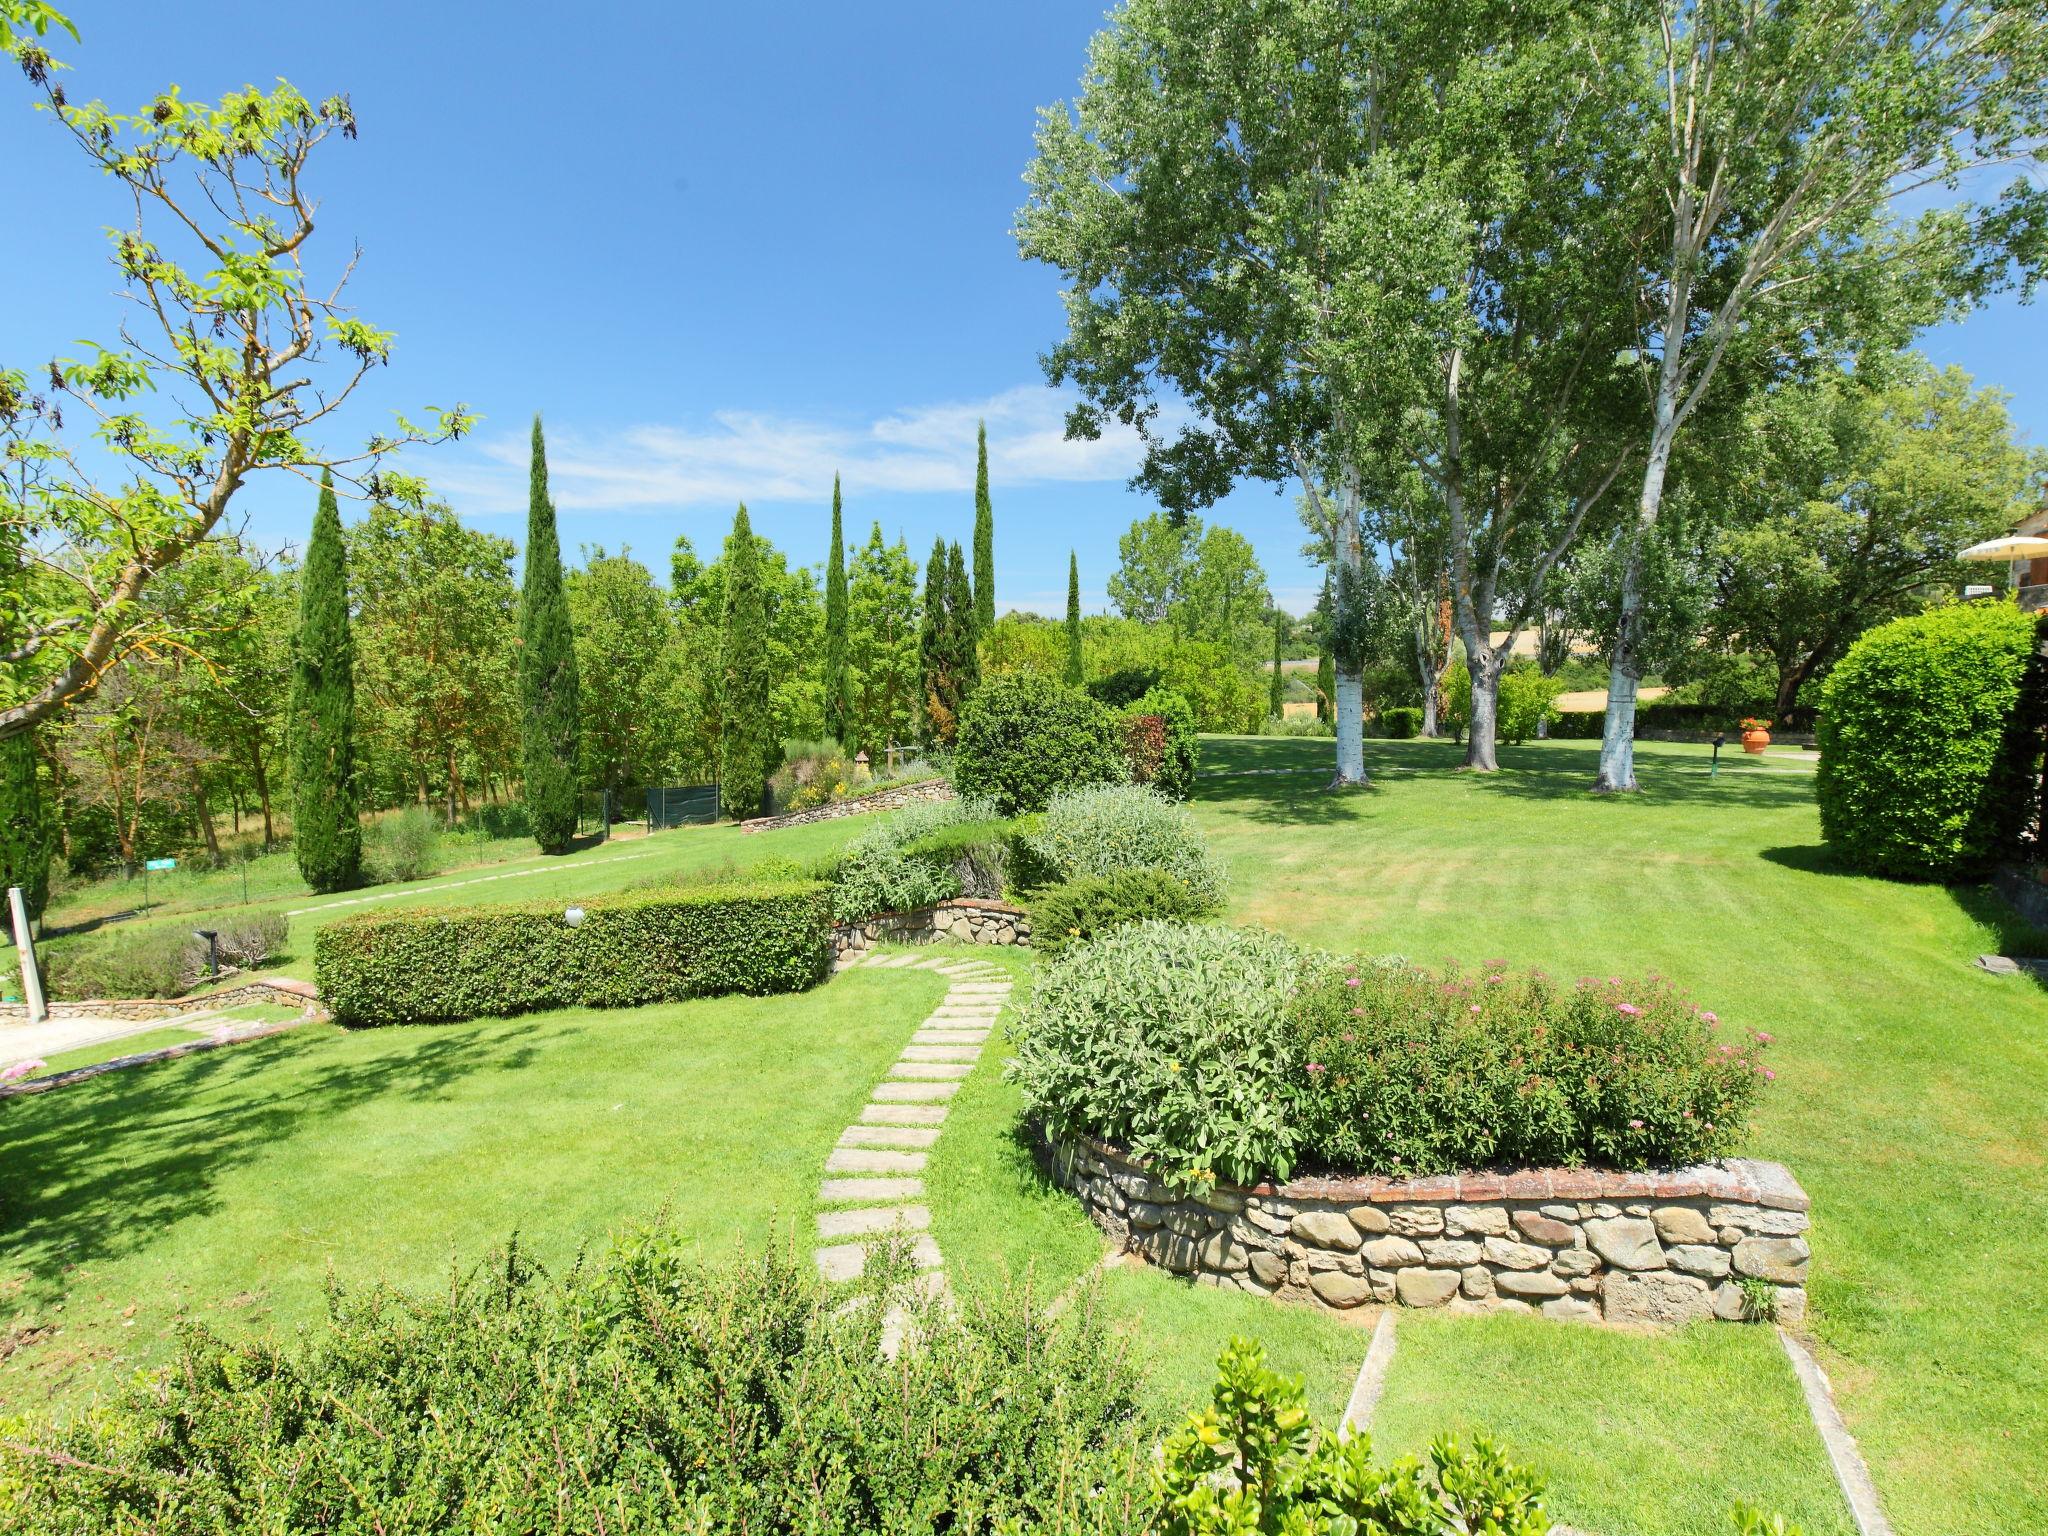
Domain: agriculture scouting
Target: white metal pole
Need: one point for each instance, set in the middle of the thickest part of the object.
(31, 979)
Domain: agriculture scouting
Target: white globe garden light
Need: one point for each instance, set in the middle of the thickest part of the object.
(573, 917)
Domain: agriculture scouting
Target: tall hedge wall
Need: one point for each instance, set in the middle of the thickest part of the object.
(436, 965)
(1929, 741)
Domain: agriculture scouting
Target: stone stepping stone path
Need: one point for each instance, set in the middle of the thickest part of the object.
(873, 1185)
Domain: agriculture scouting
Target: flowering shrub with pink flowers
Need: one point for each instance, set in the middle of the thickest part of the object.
(1405, 1071)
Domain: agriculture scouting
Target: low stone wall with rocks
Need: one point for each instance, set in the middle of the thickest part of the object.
(276, 989)
(966, 919)
(859, 805)
(1658, 1248)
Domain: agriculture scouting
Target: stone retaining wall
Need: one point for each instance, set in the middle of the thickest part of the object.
(967, 919)
(861, 805)
(1657, 1248)
(277, 989)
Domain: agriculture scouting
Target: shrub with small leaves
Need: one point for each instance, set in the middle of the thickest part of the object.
(1079, 910)
(1108, 827)
(1024, 738)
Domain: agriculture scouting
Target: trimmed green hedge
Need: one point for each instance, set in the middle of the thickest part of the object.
(436, 965)
(1926, 748)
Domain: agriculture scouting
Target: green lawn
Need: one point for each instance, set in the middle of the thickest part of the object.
(227, 1185)
(1912, 1090)
(125, 1045)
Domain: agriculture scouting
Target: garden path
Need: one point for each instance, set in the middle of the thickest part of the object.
(873, 1184)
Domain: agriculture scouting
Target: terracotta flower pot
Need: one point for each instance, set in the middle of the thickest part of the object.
(1755, 741)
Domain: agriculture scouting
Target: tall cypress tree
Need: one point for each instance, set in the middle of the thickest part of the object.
(547, 669)
(1326, 686)
(964, 622)
(24, 825)
(1275, 692)
(934, 643)
(1075, 673)
(984, 540)
(838, 693)
(744, 677)
(327, 834)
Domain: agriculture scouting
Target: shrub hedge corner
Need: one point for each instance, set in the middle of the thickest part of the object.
(438, 965)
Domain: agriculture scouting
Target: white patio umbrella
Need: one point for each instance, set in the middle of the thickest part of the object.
(2017, 546)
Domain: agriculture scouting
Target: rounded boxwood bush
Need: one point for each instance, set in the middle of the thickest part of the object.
(1024, 738)
(1924, 753)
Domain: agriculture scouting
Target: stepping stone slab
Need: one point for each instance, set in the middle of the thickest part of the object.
(867, 1191)
(932, 1071)
(969, 991)
(984, 1015)
(846, 1261)
(968, 1053)
(902, 1114)
(913, 1093)
(949, 1037)
(888, 1136)
(873, 1160)
(874, 1220)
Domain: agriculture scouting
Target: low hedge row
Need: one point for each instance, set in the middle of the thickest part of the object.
(436, 965)
(1587, 724)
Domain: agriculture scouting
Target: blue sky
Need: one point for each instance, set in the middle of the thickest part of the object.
(724, 249)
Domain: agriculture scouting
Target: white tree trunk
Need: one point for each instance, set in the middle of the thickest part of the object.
(1483, 731)
(1350, 729)
(1625, 663)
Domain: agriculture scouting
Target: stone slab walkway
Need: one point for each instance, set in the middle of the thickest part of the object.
(874, 1185)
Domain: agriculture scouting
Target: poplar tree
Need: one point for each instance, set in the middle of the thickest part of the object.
(547, 670)
(1274, 692)
(1074, 669)
(24, 825)
(327, 835)
(744, 678)
(984, 540)
(838, 693)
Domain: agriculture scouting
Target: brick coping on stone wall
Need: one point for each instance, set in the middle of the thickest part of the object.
(145, 1008)
(1656, 1248)
(889, 798)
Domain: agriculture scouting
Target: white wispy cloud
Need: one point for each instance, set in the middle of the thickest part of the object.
(764, 458)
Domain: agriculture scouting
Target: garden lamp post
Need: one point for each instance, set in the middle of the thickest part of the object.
(212, 937)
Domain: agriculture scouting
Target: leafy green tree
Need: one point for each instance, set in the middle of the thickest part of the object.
(241, 366)
(624, 638)
(25, 825)
(1778, 141)
(795, 641)
(1225, 597)
(1154, 560)
(1075, 672)
(1278, 687)
(547, 670)
(744, 727)
(1847, 504)
(437, 687)
(1326, 683)
(838, 700)
(327, 832)
(984, 539)
(882, 645)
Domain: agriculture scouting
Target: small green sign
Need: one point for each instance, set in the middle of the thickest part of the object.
(160, 864)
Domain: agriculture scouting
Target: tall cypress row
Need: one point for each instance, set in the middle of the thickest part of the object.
(547, 669)
(964, 622)
(1276, 692)
(933, 645)
(984, 540)
(743, 677)
(327, 833)
(24, 825)
(1074, 669)
(838, 695)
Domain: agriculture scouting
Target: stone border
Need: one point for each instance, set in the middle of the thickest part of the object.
(965, 919)
(142, 1010)
(227, 1035)
(1656, 1249)
(890, 799)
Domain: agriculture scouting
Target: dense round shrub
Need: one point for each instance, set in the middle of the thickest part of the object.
(1164, 722)
(1167, 1039)
(1023, 738)
(1121, 689)
(1082, 909)
(1401, 723)
(1923, 754)
(1108, 827)
(1405, 1072)
(1527, 701)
